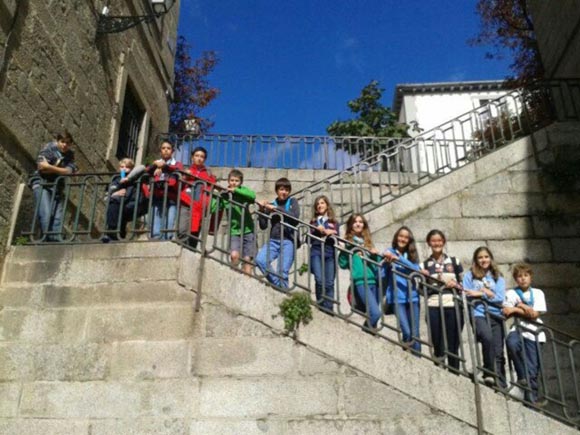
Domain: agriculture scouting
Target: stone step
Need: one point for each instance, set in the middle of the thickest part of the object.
(82, 271)
(58, 252)
(80, 325)
(230, 362)
(94, 295)
(82, 362)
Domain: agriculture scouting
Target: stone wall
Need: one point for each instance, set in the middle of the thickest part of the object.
(56, 74)
(104, 340)
(505, 201)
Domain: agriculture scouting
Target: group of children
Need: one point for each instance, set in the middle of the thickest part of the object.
(380, 280)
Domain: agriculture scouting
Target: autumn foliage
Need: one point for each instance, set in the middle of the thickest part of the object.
(507, 24)
(191, 89)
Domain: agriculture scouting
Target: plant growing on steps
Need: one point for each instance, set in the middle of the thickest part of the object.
(21, 241)
(296, 309)
(303, 269)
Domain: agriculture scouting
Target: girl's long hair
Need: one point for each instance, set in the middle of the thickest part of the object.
(329, 211)
(411, 248)
(478, 272)
(366, 233)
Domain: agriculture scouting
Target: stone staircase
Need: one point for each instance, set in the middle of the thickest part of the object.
(343, 195)
(104, 339)
(504, 201)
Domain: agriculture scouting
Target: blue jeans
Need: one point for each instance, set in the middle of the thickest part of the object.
(324, 280)
(524, 354)
(271, 251)
(410, 325)
(369, 295)
(163, 219)
(489, 332)
(50, 213)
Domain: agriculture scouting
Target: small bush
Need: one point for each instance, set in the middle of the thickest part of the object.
(21, 241)
(295, 310)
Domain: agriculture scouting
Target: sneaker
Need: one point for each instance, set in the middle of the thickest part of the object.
(540, 403)
(489, 380)
(517, 393)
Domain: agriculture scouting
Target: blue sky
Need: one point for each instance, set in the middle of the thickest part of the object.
(289, 67)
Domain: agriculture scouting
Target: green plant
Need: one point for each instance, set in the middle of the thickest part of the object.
(296, 309)
(21, 241)
(303, 269)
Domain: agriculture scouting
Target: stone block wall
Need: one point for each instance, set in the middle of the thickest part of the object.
(123, 351)
(56, 73)
(507, 203)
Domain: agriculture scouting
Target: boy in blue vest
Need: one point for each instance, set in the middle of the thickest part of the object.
(525, 339)
(281, 214)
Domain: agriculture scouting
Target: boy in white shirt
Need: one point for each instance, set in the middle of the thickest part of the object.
(523, 342)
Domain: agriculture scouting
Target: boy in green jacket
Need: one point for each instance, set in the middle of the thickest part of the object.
(242, 237)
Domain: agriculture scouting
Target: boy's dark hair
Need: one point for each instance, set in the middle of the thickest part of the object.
(283, 182)
(202, 149)
(521, 268)
(167, 141)
(236, 173)
(65, 137)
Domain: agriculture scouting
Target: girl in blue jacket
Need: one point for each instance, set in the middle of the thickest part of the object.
(322, 264)
(485, 286)
(402, 297)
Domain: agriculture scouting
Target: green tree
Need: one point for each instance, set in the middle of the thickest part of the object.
(191, 89)
(506, 25)
(373, 120)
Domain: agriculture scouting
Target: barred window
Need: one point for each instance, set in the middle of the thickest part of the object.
(131, 124)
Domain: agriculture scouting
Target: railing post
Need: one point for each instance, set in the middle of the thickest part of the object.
(472, 350)
(205, 223)
(15, 210)
(326, 164)
(250, 150)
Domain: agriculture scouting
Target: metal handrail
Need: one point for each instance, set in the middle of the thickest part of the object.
(385, 176)
(86, 209)
(279, 151)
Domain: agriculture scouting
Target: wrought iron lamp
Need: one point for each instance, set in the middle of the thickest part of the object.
(115, 24)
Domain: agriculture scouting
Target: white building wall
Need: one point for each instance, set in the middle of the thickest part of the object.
(432, 110)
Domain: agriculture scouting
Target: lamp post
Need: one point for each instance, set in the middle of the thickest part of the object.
(114, 24)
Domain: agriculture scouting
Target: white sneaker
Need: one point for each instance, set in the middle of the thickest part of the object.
(489, 380)
(517, 392)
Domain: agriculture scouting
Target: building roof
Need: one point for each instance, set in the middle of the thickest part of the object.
(444, 87)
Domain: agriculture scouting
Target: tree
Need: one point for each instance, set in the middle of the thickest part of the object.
(191, 89)
(507, 25)
(372, 120)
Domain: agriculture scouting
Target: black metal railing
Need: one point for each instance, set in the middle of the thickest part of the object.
(417, 161)
(203, 213)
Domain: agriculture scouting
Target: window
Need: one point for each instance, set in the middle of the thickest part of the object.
(131, 124)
